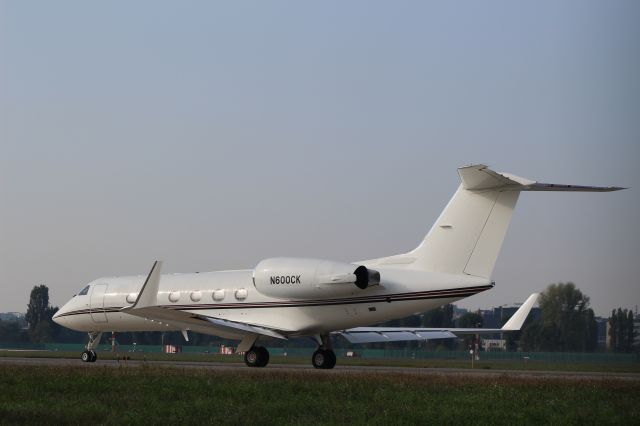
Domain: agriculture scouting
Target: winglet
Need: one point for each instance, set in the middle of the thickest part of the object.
(148, 295)
(516, 321)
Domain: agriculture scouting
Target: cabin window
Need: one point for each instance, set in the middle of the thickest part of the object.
(84, 291)
(218, 295)
(241, 294)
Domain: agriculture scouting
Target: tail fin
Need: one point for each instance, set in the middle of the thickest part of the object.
(468, 235)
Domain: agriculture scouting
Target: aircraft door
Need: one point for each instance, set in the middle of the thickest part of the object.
(96, 307)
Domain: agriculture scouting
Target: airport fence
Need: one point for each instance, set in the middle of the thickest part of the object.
(556, 357)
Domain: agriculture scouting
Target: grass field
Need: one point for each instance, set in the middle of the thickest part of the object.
(393, 362)
(153, 395)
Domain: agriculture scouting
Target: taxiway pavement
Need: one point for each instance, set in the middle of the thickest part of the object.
(339, 370)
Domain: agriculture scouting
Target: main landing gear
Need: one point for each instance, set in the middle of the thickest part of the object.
(257, 356)
(324, 357)
(89, 354)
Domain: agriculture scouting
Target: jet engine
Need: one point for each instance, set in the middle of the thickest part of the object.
(300, 278)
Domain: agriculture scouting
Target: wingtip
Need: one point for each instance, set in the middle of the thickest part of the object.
(517, 320)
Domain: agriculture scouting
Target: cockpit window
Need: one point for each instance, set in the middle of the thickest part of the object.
(84, 291)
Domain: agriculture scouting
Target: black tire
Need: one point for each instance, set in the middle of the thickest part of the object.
(252, 357)
(331, 359)
(324, 359)
(263, 356)
(94, 356)
(318, 358)
(86, 356)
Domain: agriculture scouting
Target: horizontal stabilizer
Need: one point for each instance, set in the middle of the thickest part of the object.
(480, 177)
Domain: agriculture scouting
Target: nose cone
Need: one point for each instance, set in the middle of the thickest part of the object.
(59, 317)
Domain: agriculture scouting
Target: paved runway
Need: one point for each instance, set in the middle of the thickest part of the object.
(339, 370)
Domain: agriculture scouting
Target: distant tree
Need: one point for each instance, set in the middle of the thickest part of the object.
(433, 318)
(439, 317)
(39, 314)
(621, 329)
(531, 336)
(566, 324)
(630, 331)
(447, 320)
(470, 320)
(613, 330)
(37, 307)
(591, 343)
(621, 332)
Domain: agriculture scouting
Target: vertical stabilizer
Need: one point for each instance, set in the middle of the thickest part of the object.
(468, 235)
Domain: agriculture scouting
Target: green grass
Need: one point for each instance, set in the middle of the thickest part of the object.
(393, 362)
(154, 395)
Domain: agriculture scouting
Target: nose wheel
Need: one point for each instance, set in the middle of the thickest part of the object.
(89, 356)
(257, 356)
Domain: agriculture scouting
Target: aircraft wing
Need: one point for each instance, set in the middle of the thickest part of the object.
(398, 334)
(145, 307)
(201, 323)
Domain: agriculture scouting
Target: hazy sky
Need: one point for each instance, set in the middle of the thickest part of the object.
(214, 135)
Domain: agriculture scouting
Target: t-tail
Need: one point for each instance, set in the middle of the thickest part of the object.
(467, 237)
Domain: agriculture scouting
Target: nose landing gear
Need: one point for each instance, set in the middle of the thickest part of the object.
(89, 354)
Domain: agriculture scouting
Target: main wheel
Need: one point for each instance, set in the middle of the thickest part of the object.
(251, 357)
(263, 356)
(94, 355)
(257, 356)
(86, 356)
(324, 358)
(331, 359)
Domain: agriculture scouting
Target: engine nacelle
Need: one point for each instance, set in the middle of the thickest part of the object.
(300, 278)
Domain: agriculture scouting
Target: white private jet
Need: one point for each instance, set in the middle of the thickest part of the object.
(293, 297)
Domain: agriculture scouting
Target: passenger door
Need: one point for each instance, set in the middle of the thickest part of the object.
(96, 307)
